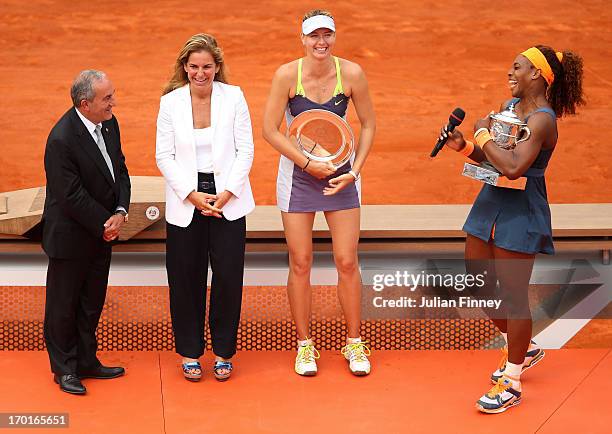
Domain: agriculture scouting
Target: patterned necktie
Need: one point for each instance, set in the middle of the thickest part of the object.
(102, 147)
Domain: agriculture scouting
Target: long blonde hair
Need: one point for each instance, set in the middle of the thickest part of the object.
(195, 44)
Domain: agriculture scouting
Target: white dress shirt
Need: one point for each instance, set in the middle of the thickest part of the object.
(91, 127)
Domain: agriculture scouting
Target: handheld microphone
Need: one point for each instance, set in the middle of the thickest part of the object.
(454, 120)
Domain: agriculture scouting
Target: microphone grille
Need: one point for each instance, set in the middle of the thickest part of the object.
(457, 117)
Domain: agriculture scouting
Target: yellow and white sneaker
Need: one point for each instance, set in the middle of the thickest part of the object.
(501, 397)
(356, 353)
(305, 361)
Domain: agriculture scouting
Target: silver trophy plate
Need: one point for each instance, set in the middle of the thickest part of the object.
(485, 172)
(322, 136)
(480, 173)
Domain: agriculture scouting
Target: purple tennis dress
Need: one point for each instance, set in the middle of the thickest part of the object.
(298, 191)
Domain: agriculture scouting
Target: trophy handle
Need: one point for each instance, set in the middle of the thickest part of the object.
(526, 132)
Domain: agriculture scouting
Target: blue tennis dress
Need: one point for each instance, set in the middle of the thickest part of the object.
(516, 220)
(298, 191)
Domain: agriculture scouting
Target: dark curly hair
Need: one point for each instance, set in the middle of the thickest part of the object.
(565, 93)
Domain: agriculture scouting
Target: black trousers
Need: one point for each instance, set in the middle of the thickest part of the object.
(187, 254)
(76, 289)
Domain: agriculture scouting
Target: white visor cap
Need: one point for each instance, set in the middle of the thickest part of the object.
(318, 22)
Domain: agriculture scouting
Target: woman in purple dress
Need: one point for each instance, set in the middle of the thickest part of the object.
(320, 80)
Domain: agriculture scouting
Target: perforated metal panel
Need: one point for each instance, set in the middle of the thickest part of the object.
(138, 318)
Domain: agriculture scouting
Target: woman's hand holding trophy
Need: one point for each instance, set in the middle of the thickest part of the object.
(504, 129)
(327, 141)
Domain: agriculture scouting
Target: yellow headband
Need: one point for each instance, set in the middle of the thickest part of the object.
(538, 60)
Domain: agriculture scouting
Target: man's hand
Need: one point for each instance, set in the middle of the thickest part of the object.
(112, 227)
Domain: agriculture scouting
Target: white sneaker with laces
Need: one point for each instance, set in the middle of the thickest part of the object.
(357, 355)
(305, 361)
(505, 394)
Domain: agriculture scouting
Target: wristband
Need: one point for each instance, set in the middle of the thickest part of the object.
(479, 131)
(355, 175)
(306, 165)
(483, 138)
(467, 149)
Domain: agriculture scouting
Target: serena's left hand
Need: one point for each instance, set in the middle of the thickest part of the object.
(222, 199)
(483, 123)
(338, 183)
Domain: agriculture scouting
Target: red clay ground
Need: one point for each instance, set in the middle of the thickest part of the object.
(422, 59)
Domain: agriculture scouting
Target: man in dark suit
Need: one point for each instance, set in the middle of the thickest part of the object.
(88, 195)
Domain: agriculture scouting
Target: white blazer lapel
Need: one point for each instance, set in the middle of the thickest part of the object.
(216, 101)
(188, 117)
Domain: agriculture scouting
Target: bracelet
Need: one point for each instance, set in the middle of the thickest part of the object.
(355, 175)
(307, 163)
(313, 148)
(467, 149)
(483, 138)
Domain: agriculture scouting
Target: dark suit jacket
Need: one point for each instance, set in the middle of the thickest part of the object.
(81, 194)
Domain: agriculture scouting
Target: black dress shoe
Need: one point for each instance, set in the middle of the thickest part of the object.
(70, 383)
(103, 372)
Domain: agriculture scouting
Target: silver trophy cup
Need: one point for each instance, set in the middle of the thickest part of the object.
(507, 130)
(322, 136)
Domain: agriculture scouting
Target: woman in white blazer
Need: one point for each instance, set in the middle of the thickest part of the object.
(204, 150)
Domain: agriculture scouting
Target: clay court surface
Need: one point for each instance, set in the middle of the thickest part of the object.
(422, 59)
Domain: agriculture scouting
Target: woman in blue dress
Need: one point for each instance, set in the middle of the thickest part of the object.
(506, 227)
(320, 80)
